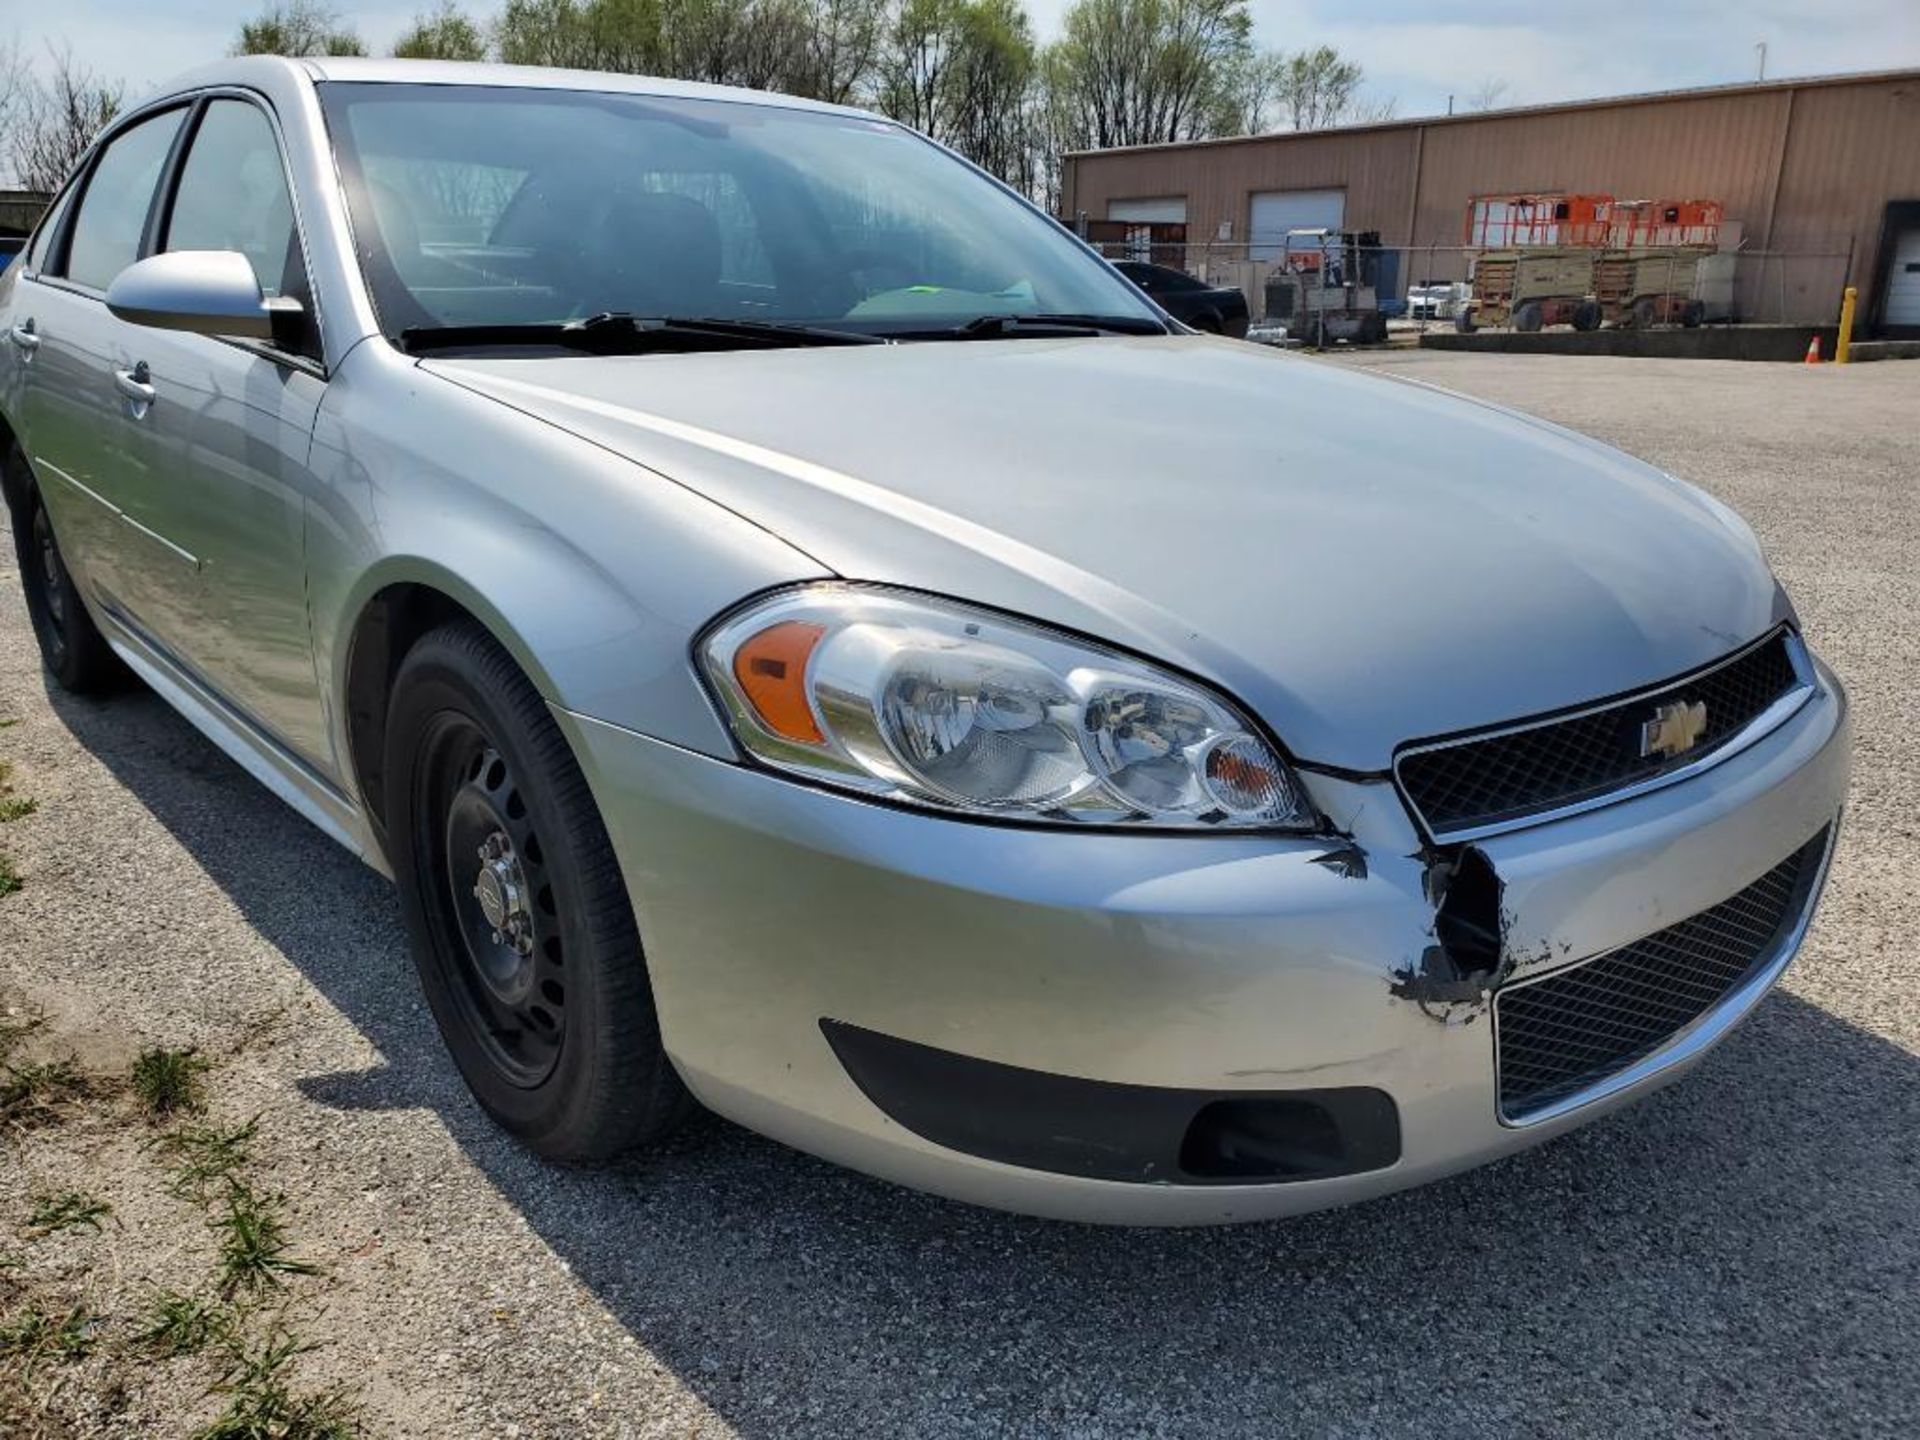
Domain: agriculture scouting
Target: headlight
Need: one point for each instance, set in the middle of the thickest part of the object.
(937, 704)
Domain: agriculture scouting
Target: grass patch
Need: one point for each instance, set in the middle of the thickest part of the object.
(10, 881)
(181, 1325)
(167, 1082)
(33, 1095)
(204, 1155)
(13, 1031)
(68, 1210)
(253, 1241)
(263, 1405)
(16, 807)
(36, 1336)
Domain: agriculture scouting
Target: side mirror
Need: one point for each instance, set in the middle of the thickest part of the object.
(207, 292)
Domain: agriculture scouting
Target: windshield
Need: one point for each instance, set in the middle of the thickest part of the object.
(494, 206)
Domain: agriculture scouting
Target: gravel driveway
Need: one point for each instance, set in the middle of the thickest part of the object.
(1739, 1255)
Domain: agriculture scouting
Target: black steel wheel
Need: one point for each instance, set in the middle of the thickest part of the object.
(72, 648)
(497, 903)
(524, 937)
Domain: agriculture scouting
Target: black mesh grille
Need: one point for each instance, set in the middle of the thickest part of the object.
(1563, 1034)
(1507, 777)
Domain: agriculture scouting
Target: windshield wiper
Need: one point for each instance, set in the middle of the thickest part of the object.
(1004, 327)
(616, 332)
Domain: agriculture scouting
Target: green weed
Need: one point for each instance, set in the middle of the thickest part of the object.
(181, 1325)
(262, 1404)
(205, 1154)
(167, 1082)
(68, 1210)
(253, 1241)
(32, 1095)
(38, 1336)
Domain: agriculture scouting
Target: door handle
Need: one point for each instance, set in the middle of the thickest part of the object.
(137, 385)
(25, 337)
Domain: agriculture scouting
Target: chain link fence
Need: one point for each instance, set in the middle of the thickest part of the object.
(1423, 287)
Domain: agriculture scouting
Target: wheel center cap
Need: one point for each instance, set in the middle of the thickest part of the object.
(493, 890)
(500, 887)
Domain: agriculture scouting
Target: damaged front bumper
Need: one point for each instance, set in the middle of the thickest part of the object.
(1158, 1029)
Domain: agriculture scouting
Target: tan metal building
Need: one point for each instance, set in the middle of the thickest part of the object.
(1823, 174)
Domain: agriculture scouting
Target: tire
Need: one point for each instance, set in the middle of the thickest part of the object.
(72, 648)
(552, 1025)
(1586, 315)
(1463, 321)
(1645, 313)
(1528, 318)
(1694, 314)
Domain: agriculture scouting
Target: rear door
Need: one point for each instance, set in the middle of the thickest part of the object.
(227, 445)
(76, 421)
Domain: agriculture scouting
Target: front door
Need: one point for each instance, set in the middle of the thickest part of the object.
(226, 445)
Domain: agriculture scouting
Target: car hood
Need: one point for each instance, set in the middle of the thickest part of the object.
(1361, 561)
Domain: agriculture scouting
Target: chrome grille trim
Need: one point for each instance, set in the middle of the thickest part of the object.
(1787, 704)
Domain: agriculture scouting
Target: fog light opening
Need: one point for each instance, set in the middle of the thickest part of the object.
(1266, 1139)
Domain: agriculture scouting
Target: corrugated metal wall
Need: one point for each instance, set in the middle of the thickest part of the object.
(1803, 167)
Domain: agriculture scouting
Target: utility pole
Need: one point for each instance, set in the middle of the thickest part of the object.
(1762, 48)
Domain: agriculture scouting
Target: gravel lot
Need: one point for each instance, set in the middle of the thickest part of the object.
(1739, 1255)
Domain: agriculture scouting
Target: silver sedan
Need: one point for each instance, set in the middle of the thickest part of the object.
(808, 638)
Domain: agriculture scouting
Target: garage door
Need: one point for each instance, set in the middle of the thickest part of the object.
(1903, 281)
(1168, 210)
(1275, 212)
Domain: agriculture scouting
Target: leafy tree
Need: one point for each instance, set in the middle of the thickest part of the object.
(1137, 72)
(446, 34)
(1316, 88)
(989, 90)
(915, 51)
(963, 72)
(298, 27)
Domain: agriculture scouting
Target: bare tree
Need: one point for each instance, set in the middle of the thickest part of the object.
(13, 83)
(298, 27)
(1489, 94)
(55, 117)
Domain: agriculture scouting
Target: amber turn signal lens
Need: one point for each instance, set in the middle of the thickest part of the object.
(771, 668)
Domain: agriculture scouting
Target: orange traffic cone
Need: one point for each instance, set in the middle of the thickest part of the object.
(1813, 351)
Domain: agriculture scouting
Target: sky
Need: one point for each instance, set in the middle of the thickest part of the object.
(1415, 52)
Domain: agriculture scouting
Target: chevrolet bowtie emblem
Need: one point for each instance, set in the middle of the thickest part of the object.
(1674, 729)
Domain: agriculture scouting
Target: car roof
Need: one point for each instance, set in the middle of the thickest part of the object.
(267, 71)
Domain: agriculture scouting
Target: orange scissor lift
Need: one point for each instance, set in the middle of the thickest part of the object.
(1645, 275)
(1533, 260)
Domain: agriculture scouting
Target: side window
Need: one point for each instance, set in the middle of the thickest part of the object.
(42, 245)
(233, 195)
(113, 209)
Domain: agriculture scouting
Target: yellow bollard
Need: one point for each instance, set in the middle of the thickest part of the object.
(1845, 339)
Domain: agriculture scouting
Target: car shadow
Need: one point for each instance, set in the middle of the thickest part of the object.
(1736, 1254)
